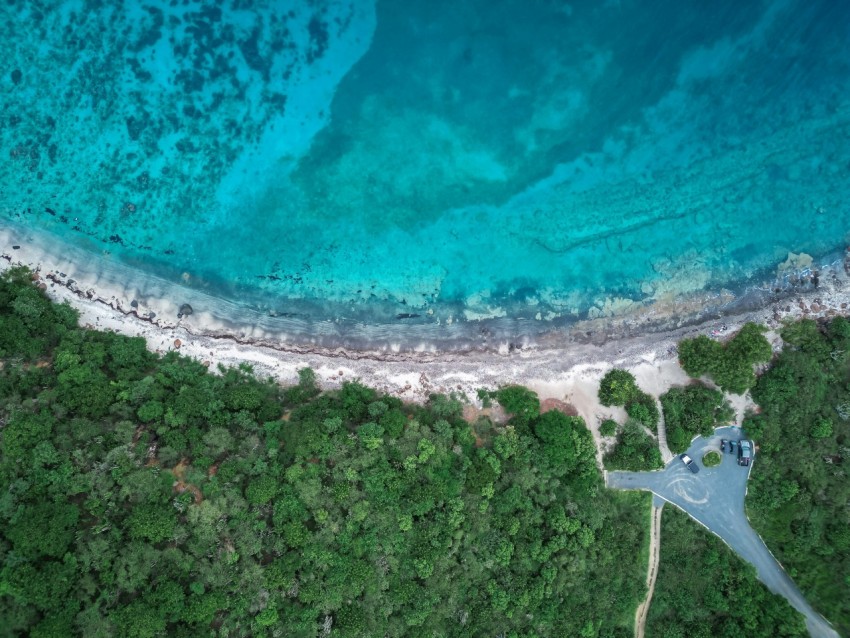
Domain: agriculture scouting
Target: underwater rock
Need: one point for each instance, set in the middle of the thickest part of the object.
(17, 76)
(795, 262)
(185, 311)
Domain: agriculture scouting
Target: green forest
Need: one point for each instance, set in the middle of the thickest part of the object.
(704, 590)
(619, 387)
(144, 496)
(799, 494)
(730, 364)
(691, 411)
(633, 450)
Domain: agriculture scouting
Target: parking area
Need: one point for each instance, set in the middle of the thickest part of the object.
(715, 497)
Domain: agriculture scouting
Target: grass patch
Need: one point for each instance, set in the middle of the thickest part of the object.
(711, 459)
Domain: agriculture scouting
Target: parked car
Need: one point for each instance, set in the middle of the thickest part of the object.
(732, 446)
(723, 445)
(689, 463)
(745, 452)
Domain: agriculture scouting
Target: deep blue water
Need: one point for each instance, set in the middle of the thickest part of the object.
(461, 158)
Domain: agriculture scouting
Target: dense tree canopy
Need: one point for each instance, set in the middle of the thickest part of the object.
(619, 387)
(799, 488)
(703, 590)
(143, 496)
(691, 411)
(729, 365)
(635, 450)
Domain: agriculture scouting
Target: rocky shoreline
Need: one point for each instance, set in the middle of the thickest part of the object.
(563, 365)
(163, 308)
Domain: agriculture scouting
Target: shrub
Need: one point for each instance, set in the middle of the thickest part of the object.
(635, 450)
(565, 441)
(698, 356)
(730, 366)
(691, 411)
(711, 459)
(644, 410)
(520, 402)
(618, 387)
(608, 427)
(822, 429)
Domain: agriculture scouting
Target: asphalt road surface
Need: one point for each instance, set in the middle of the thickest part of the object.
(715, 498)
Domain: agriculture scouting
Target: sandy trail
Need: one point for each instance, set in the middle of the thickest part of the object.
(652, 569)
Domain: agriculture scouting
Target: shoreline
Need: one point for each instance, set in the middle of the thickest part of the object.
(550, 363)
(308, 326)
(561, 365)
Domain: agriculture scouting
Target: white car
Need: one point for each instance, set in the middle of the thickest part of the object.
(689, 463)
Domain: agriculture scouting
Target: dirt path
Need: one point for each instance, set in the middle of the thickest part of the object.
(652, 569)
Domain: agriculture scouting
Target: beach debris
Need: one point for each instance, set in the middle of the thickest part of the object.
(177, 343)
(719, 331)
(185, 311)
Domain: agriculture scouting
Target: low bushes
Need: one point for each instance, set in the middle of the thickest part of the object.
(618, 387)
(729, 365)
(608, 427)
(635, 450)
(690, 411)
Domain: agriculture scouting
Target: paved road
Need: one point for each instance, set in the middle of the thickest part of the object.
(715, 498)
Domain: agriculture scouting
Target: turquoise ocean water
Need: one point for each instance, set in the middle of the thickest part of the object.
(446, 159)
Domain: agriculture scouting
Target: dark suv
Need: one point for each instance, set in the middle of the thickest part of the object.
(745, 452)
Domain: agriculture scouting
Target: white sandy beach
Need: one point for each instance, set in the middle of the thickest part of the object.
(568, 372)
